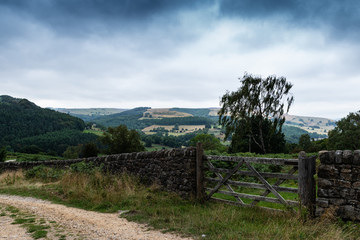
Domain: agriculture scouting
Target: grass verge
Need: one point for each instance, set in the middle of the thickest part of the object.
(92, 190)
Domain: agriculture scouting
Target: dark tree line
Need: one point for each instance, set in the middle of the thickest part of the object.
(20, 118)
(54, 143)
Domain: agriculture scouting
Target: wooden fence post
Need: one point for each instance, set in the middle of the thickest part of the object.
(199, 172)
(307, 187)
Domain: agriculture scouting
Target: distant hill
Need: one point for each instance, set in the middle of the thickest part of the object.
(314, 125)
(87, 114)
(21, 119)
(143, 117)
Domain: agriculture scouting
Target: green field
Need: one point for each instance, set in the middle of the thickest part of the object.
(96, 132)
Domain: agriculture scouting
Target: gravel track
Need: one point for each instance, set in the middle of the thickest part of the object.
(77, 222)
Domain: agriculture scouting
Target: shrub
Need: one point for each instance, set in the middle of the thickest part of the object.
(45, 174)
(83, 167)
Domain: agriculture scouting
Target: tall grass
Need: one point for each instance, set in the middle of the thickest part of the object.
(104, 192)
(92, 189)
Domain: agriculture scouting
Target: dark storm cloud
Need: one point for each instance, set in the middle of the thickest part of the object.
(89, 16)
(104, 16)
(342, 18)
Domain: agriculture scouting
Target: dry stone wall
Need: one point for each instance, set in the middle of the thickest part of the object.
(174, 170)
(339, 184)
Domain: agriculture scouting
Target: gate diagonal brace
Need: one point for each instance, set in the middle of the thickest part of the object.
(234, 170)
(267, 184)
(277, 183)
(226, 184)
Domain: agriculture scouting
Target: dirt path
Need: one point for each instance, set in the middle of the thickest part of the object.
(77, 223)
(9, 231)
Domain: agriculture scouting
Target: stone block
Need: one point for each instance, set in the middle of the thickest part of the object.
(326, 157)
(339, 156)
(347, 193)
(348, 157)
(322, 193)
(344, 167)
(342, 183)
(346, 176)
(322, 202)
(356, 185)
(337, 201)
(354, 203)
(356, 160)
(327, 171)
(334, 192)
(325, 183)
(347, 212)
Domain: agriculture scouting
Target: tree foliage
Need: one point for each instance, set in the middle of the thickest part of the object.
(121, 140)
(305, 143)
(2, 154)
(54, 143)
(89, 150)
(209, 142)
(254, 103)
(346, 134)
(242, 142)
(20, 118)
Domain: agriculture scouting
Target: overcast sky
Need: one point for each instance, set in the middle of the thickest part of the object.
(179, 53)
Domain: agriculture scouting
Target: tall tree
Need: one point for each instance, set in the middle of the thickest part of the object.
(346, 134)
(122, 140)
(255, 102)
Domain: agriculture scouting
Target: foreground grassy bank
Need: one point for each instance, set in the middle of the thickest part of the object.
(86, 187)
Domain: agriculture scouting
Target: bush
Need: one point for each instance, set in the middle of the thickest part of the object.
(45, 174)
(83, 167)
(89, 150)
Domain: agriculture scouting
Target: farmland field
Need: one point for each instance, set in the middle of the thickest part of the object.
(163, 113)
(183, 129)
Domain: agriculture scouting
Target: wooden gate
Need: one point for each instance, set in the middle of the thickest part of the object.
(226, 178)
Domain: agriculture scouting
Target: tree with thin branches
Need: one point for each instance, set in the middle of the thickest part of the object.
(257, 101)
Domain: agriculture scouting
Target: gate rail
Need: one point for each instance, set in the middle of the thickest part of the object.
(305, 166)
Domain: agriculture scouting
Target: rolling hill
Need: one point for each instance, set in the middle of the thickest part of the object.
(25, 126)
(145, 117)
(87, 114)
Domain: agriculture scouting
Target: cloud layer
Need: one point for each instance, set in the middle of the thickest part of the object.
(159, 53)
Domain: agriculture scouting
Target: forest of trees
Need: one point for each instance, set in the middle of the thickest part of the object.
(25, 127)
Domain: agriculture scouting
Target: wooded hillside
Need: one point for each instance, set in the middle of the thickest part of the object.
(21, 119)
